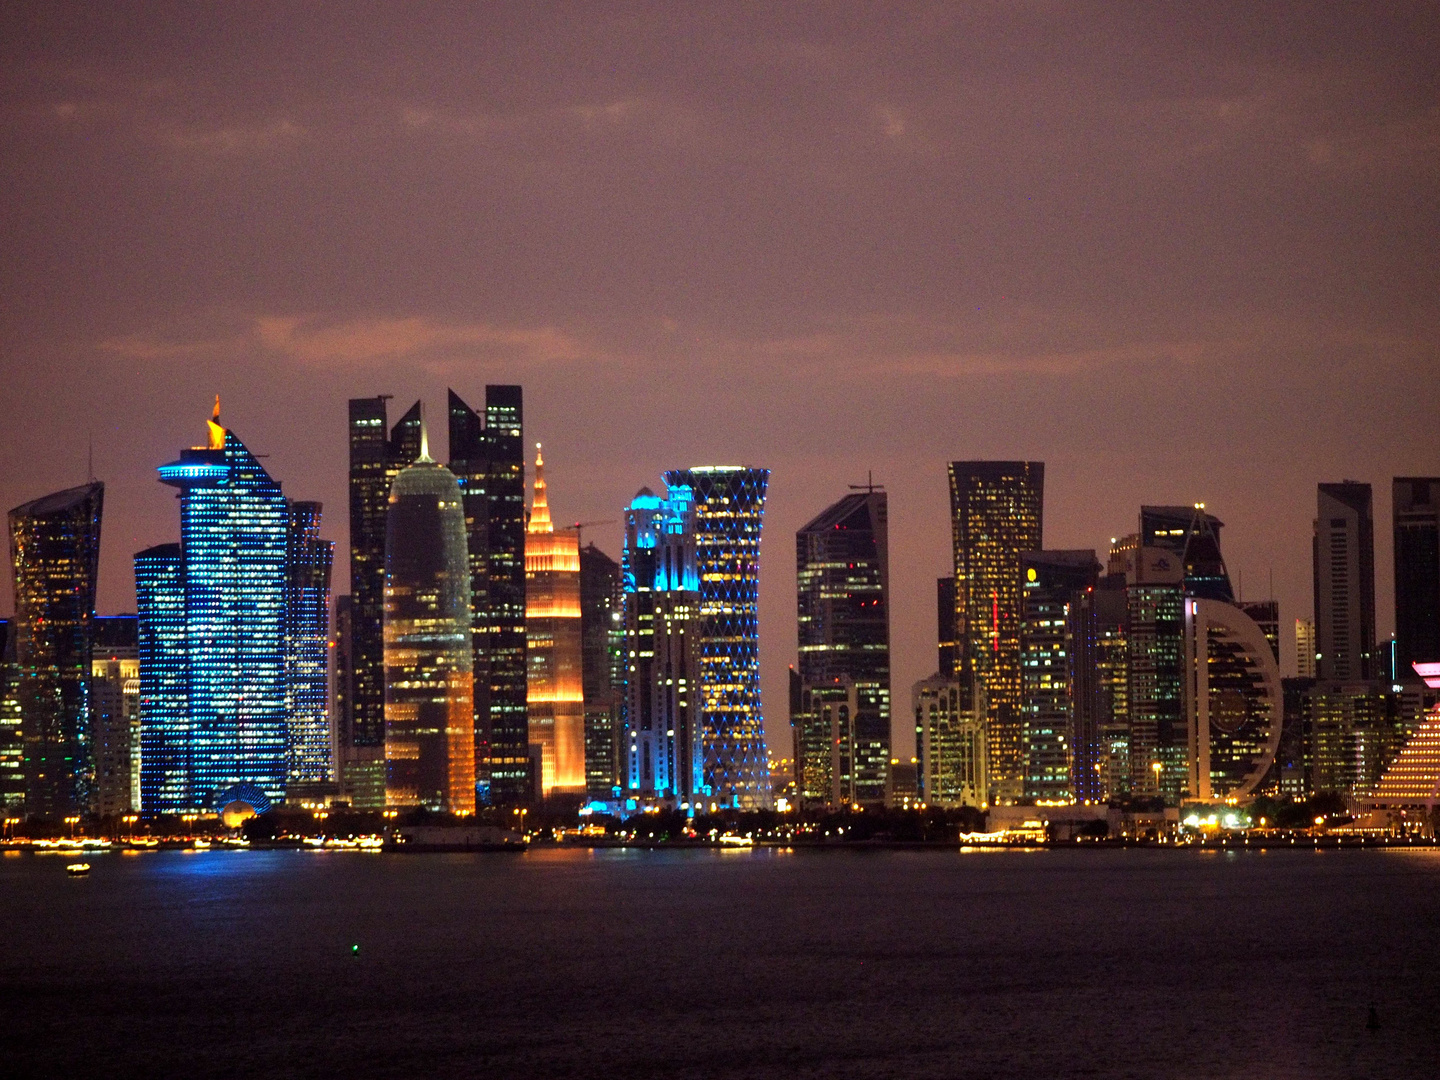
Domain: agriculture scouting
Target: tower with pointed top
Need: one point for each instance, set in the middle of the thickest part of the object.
(553, 647)
(429, 678)
(212, 627)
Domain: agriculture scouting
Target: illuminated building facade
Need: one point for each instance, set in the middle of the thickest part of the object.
(842, 568)
(12, 756)
(602, 634)
(949, 743)
(1416, 511)
(825, 719)
(1233, 700)
(1413, 778)
(662, 742)
(307, 641)
(728, 504)
(554, 645)
(115, 715)
(1305, 648)
(1102, 664)
(377, 454)
(1354, 731)
(487, 457)
(212, 616)
(429, 665)
(1154, 646)
(55, 556)
(1057, 679)
(1344, 572)
(996, 513)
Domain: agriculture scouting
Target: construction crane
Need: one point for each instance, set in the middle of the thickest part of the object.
(577, 526)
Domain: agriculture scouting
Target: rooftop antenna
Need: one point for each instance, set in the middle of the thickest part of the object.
(89, 457)
(869, 484)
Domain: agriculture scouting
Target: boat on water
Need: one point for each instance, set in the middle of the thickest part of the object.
(77, 869)
(417, 838)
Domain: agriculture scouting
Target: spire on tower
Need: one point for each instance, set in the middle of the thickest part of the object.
(540, 508)
(217, 431)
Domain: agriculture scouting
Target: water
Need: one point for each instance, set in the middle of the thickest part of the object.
(567, 963)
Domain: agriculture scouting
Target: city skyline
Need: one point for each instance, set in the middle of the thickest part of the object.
(1142, 251)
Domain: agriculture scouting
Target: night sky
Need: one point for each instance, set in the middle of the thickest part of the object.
(1178, 253)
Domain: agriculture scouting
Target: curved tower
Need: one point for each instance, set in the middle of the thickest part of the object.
(553, 649)
(429, 679)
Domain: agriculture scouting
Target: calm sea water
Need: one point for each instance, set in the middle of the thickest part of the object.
(566, 963)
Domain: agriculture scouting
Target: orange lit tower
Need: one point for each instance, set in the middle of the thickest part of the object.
(554, 645)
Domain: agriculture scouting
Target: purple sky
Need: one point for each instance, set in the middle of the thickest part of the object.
(1178, 253)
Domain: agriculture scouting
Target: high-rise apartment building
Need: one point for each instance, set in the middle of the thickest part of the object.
(1305, 648)
(842, 568)
(55, 555)
(1416, 511)
(487, 457)
(949, 743)
(1154, 654)
(728, 504)
(377, 454)
(554, 649)
(602, 634)
(115, 715)
(213, 618)
(429, 665)
(663, 743)
(1344, 572)
(1057, 676)
(308, 752)
(996, 514)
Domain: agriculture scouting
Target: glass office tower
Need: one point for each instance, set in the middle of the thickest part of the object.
(377, 455)
(487, 457)
(842, 567)
(12, 757)
(728, 505)
(55, 555)
(1344, 573)
(1416, 513)
(429, 666)
(602, 631)
(1056, 694)
(663, 743)
(115, 715)
(307, 638)
(213, 617)
(996, 513)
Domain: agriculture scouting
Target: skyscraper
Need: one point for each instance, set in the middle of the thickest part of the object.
(376, 458)
(996, 513)
(213, 618)
(945, 625)
(1057, 694)
(1154, 654)
(429, 665)
(1344, 570)
(1305, 648)
(1416, 510)
(842, 570)
(602, 632)
(12, 756)
(949, 743)
(307, 640)
(487, 457)
(115, 715)
(662, 745)
(554, 654)
(729, 505)
(55, 553)
(1193, 535)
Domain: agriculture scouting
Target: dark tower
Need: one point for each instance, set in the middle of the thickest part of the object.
(376, 458)
(842, 569)
(1344, 568)
(55, 552)
(489, 461)
(945, 625)
(1417, 572)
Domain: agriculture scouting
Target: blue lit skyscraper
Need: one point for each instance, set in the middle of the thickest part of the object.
(307, 608)
(728, 504)
(213, 623)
